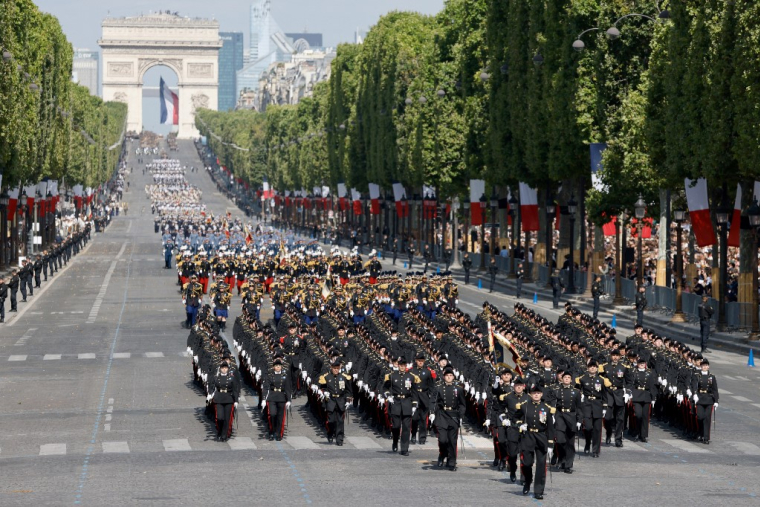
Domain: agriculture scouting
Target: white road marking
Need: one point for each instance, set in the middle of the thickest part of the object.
(108, 417)
(742, 378)
(633, 446)
(109, 409)
(363, 443)
(154, 354)
(241, 443)
(104, 288)
(178, 444)
(107, 427)
(115, 447)
(121, 355)
(301, 443)
(756, 405)
(52, 449)
(110, 401)
(686, 446)
(728, 377)
(746, 448)
(25, 336)
(740, 398)
(51, 357)
(17, 357)
(86, 356)
(723, 391)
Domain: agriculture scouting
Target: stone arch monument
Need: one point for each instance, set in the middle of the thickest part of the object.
(189, 46)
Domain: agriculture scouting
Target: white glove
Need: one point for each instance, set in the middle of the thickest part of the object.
(315, 388)
(483, 396)
(664, 382)
(496, 384)
(432, 418)
(390, 399)
(184, 302)
(355, 376)
(659, 380)
(679, 398)
(582, 398)
(189, 350)
(487, 423)
(461, 378)
(414, 409)
(626, 398)
(347, 405)
(304, 375)
(688, 392)
(715, 406)
(477, 396)
(258, 375)
(695, 398)
(381, 401)
(466, 386)
(472, 391)
(371, 396)
(506, 422)
(349, 365)
(604, 413)
(523, 427)
(366, 389)
(652, 403)
(549, 452)
(578, 425)
(351, 312)
(300, 366)
(208, 398)
(236, 403)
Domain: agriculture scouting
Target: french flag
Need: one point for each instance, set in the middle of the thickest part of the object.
(699, 211)
(12, 202)
(734, 235)
(356, 197)
(169, 105)
(402, 206)
(342, 199)
(528, 208)
(374, 195)
(477, 190)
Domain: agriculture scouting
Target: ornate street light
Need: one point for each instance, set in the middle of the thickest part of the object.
(753, 213)
(679, 216)
(572, 207)
(639, 210)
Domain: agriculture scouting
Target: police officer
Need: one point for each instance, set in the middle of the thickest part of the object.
(427, 255)
(277, 397)
(466, 265)
(448, 411)
(493, 270)
(596, 292)
(402, 394)
(557, 285)
(567, 421)
(225, 392)
(519, 275)
(3, 296)
(536, 441)
(37, 271)
(704, 385)
(13, 287)
(336, 393)
(705, 314)
(640, 303)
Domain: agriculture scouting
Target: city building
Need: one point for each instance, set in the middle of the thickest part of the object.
(314, 40)
(230, 62)
(289, 82)
(86, 69)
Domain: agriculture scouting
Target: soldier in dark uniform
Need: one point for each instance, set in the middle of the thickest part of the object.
(22, 273)
(225, 392)
(704, 385)
(705, 314)
(537, 439)
(402, 394)
(311, 306)
(519, 275)
(425, 392)
(192, 297)
(466, 265)
(597, 290)
(427, 255)
(37, 271)
(512, 419)
(594, 393)
(567, 421)
(277, 395)
(395, 249)
(644, 394)
(222, 305)
(493, 270)
(500, 390)
(447, 413)
(447, 253)
(557, 285)
(13, 287)
(410, 251)
(640, 303)
(337, 395)
(619, 376)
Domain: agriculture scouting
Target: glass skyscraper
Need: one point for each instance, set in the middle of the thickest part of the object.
(230, 61)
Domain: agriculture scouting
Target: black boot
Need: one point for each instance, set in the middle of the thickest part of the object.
(440, 461)
(526, 488)
(502, 465)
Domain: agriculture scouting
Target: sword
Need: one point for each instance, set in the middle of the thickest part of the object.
(461, 440)
(714, 419)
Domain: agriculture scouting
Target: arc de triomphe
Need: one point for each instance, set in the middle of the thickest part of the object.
(189, 46)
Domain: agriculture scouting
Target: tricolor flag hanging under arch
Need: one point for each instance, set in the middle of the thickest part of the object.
(169, 105)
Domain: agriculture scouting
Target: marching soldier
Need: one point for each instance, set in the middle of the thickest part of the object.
(619, 376)
(222, 304)
(425, 391)
(500, 390)
(596, 292)
(705, 314)
(704, 385)
(402, 394)
(593, 396)
(192, 297)
(336, 392)
(225, 392)
(277, 397)
(537, 439)
(640, 303)
(644, 394)
(512, 419)
(448, 411)
(567, 421)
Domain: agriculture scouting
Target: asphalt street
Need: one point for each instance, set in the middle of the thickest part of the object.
(98, 408)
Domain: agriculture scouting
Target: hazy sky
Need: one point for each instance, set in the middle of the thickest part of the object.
(336, 19)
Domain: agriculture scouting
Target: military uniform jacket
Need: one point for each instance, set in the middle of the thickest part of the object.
(640, 301)
(225, 388)
(705, 385)
(192, 294)
(556, 283)
(594, 391)
(427, 385)
(619, 376)
(450, 405)
(569, 409)
(513, 411)
(644, 386)
(540, 426)
(596, 289)
(404, 388)
(336, 389)
(277, 387)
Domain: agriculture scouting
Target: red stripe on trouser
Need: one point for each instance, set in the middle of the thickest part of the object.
(232, 417)
(282, 426)
(269, 419)
(216, 419)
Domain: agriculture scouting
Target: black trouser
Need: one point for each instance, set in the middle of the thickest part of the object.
(704, 418)
(276, 414)
(592, 430)
(565, 438)
(420, 423)
(394, 258)
(336, 424)
(44, 270)
(641, 411)
(493, 281)
(223, 413)
(2, 309)
(500, 442)
(466, 276)
(513, 450)
(447, 443)
(704, 332)
(639, 317)
(596, 306)
(519, 288)
(22, 286)
(426, 265)
(615, 422)
(13, 300)
(402, 426)
(411, 260)
(555, 298)
(37, 280)
(537, 447)
(29, 286)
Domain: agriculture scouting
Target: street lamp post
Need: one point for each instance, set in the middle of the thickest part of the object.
(551, 210)
(494, 208)
(679, 215)
(513, 237)
(571, 208)
(754, 221)
(483, 202)
(4, 199)
(640, 209)
(722, 216)
(455, 230)
(466, 207)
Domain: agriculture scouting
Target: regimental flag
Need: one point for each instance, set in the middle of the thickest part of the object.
(699, 211)
(374, 196)
(734, 234)
(528, 208)
(477, 190)
(399, 196)
(169, 105)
